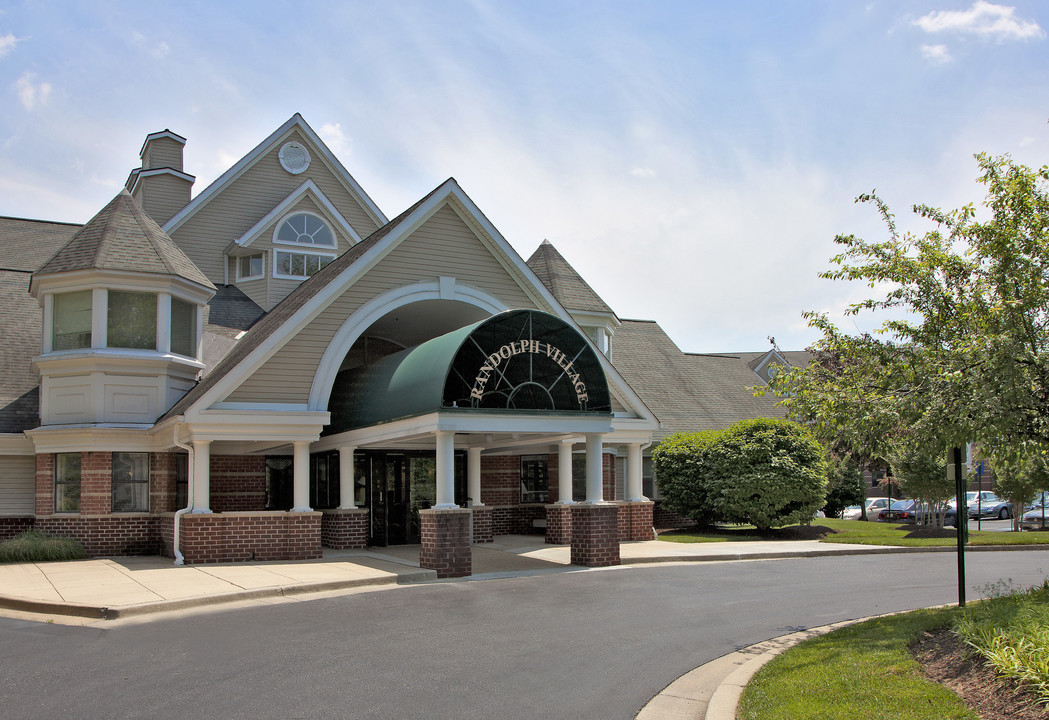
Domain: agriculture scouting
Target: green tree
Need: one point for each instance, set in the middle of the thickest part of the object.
(920, 467)
(1018, 479)
(844, 484)
(965, 353)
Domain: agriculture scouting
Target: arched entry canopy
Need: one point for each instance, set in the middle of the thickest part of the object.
(519, 361)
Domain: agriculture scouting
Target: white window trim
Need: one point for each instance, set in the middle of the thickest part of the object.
(296, 251)
(280, 224)
(262, 273)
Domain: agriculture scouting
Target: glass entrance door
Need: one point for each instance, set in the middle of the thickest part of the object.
(400, 484)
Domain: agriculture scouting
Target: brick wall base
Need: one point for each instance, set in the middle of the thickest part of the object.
(240, 537)
(595, 534)
(635, 521)
(483, 528)
(101, 535)
(517, 519)
(11, 526)
(446, 542)
(667, 520)
(558, 524)
(345, 529)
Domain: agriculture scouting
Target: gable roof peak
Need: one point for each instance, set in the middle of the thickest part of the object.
(564, 283)
(122, 236)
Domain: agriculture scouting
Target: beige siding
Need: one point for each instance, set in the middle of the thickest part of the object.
(161, 153)
(443, 246)
(162, 196)
(17, 484)
(254, 194)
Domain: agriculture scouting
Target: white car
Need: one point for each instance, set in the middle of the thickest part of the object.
(874, 506)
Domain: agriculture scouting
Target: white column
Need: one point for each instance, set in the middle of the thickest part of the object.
(301, 493)
(48, 335)
(594, 486)
(445, 470)
(473, 475)
(564, 473)
(347, 486)
(99, 314)
(202, 476)
(634, 489)
(163, 322)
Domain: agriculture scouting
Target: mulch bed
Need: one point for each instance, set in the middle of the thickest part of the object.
(945, 661)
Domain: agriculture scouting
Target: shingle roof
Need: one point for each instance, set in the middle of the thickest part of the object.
(28, 244)
(286, 308)
(687, 392)
(563, 282)
(24, 246)
(123, 237)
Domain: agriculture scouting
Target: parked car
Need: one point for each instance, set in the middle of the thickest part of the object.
(1035, 519)
(874, 506)
(990, 506)
(899, 511)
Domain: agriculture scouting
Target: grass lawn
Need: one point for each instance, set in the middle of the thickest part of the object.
(867, 670)
(861, 671)
(859, 533)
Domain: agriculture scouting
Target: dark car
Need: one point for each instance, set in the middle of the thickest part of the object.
(1035, 519)
(899, 511)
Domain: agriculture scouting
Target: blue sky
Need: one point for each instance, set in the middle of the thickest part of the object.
(692, 160)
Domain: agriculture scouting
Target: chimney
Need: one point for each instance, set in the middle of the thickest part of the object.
(160, 186)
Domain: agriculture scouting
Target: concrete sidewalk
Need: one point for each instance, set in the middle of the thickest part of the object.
(109, 588)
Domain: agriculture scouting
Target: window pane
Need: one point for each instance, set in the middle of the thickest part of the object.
(183, 327)
(298, 265)
(132, 320)
(534, 479)
(72, 321)
(284, 263)
(130, 486)
(249, 266)
(67, 482)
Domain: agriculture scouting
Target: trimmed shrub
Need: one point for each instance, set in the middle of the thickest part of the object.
(679, 465)
(764, 472)
(35, 546)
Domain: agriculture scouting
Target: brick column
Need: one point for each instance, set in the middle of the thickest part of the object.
(559, 524)
(595, 534)
(345, 529)
(642, 520)
(446, 542)
(484, 529)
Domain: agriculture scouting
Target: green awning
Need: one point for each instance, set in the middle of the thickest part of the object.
(519, 361)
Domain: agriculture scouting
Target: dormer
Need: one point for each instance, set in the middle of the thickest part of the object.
(159, 185)
(123, 309)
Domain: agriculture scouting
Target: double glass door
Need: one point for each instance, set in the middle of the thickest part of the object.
(399, 486)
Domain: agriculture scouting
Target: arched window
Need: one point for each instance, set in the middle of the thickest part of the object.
(304, 229)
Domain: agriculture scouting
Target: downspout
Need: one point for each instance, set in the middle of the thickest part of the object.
(179, 559)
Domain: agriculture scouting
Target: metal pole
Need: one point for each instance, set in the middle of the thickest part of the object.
(963, 512)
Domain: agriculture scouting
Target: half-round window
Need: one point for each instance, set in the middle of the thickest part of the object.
(305, 229)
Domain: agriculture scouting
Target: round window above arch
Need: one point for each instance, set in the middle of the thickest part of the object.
(304, 229)
(294, 157)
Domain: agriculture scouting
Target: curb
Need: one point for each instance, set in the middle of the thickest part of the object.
(96, 612)
(712, 690)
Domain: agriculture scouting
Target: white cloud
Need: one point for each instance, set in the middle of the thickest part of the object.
(157, 50)
(7, 44)
(641, 172)
(31, 94)
(984, 19)
(334, 138)
(937, 54)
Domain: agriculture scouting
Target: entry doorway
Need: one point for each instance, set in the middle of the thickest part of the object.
(399, 485)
